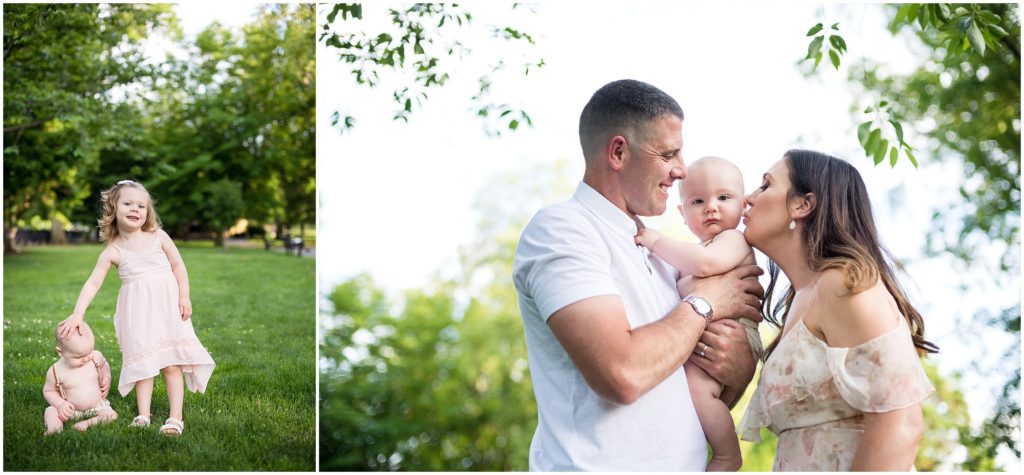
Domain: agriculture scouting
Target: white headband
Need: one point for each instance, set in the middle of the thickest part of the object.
(124, 181)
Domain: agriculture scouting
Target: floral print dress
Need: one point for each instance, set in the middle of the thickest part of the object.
(814, 396)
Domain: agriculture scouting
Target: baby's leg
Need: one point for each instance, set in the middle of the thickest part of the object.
(715, 419)
(144, 395)
(51, 416)
(175, 389)
(101, 416)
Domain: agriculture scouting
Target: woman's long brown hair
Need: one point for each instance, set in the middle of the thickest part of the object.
(839, 234)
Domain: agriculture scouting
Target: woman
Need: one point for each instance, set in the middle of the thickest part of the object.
(842, 384)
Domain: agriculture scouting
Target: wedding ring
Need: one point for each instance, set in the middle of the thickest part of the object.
(702, 350)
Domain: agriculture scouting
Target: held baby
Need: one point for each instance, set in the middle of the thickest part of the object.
(711, 202)
(77, 384)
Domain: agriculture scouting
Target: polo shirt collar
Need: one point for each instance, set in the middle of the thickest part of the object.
(614, 217)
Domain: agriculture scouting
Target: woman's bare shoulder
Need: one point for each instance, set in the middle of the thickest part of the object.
(854, 317)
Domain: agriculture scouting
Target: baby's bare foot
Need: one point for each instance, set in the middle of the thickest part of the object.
(56, 429)
(81, 426)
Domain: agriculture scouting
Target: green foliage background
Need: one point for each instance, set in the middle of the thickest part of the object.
(224, 131)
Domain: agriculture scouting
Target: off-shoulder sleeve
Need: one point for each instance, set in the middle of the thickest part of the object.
(881, 375)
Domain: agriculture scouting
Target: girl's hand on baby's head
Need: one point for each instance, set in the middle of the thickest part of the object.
(72, 323)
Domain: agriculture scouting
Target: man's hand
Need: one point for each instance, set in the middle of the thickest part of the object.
(734, 294)
(647, 237)
(724, 352)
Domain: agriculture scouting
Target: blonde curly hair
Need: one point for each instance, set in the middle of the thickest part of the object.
(109, 198)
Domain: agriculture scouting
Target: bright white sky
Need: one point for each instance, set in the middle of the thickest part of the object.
(396, 199)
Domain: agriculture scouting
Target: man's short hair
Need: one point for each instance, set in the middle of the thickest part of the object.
(617, 107)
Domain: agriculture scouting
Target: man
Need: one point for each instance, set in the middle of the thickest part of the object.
(606, 331)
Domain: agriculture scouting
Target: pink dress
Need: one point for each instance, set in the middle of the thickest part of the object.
(148, 326)
(814, 396)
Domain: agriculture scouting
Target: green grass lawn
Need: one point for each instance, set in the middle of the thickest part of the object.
(253, 310)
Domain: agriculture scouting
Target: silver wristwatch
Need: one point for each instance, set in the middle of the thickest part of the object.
(701, 306)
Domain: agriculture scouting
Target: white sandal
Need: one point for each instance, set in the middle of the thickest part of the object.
(175, 426)
(140, 421)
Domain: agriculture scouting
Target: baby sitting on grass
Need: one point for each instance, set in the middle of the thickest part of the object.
(77, 384)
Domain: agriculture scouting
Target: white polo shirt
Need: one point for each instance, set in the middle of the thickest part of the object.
(571, 251)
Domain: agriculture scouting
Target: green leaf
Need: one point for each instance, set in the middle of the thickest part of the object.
(873, 138)
(988, 17)
(862, 133)
(817, 60)
(882, 104)
(976, 39)
(880, 149)
(814, 47)
(923, 18)
(838, 43)
(899, 130)
(910, 155)
(912, 12)
(835, 26)
(832, 55)
(893, 155)
(964, 23)
(998, 30)
(334, 13)
(943, 12)
(513, 125)
(814, 29)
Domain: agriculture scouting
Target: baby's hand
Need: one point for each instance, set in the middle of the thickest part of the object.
(184, 308)
(65, 411)
(104, 386)
(647, 237)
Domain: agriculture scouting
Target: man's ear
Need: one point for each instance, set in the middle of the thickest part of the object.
(615, 152)
(803, 206)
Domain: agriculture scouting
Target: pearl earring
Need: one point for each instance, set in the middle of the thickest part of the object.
(792, 225)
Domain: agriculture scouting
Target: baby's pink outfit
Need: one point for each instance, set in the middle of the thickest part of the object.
(148, 324)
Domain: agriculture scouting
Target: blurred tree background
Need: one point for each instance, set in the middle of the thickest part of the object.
(435, 378)
(221, 132)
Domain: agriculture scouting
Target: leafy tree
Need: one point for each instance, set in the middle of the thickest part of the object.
(236, 113)
(963, 102)
(969, 87)
(436, 379)
(421, 44)
(63, 66)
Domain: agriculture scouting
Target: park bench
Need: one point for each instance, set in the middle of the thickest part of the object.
(293, 243)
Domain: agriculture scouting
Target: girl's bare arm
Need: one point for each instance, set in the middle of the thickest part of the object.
(92, 285)
(180, 273)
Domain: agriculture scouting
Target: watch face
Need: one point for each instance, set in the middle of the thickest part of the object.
(702, 305)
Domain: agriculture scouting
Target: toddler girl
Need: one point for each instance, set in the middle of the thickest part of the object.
(153, 307)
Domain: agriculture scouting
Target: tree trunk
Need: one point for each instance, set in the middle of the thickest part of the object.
(218, 238)
(57, 235)
(10, 246)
